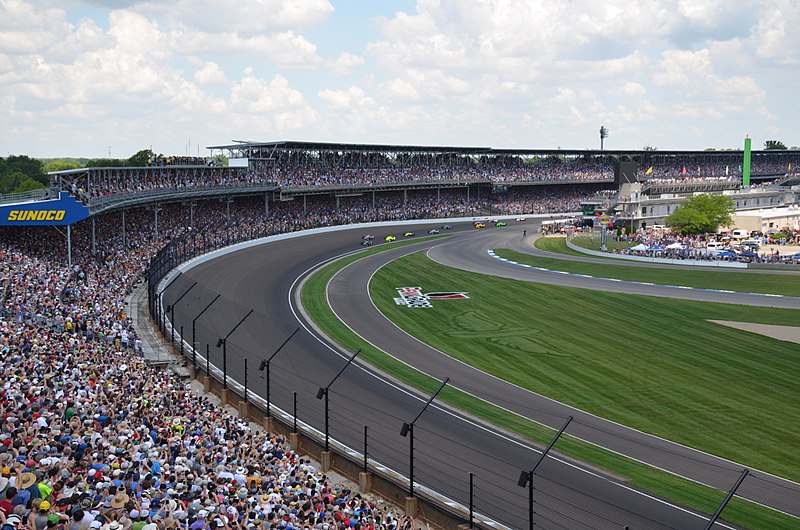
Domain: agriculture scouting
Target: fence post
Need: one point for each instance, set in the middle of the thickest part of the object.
(727, 498)
(471, 503)
(181, 342)
(365, 449)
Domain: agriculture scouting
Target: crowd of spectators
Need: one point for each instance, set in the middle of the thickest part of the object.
(92, 438)
(111, 181)
(664, 243)
(161, 160)
(303, 171)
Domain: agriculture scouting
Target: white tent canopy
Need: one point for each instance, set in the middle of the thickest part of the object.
(640, 247)
(675, 246)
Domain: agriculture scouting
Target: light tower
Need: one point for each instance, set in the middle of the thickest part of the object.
(603, 135)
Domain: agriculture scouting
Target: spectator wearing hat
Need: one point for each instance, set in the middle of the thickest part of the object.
(40, 515)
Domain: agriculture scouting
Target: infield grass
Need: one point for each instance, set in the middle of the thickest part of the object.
(638, 475)
(557, 245)
(655, 364)
(701, 278)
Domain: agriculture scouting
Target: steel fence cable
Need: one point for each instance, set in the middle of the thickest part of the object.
(630, 440)
(511, 493)
(580, 493)
(456, 442)
(465, 469)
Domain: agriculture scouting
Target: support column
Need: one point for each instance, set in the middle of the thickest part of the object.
(94, 240)
(326, 461)
(304, 203)
(123, 229)
(266, 204)
(373, 199)
(69, 246)
(337, 202)
(405, 196)
(411, 506)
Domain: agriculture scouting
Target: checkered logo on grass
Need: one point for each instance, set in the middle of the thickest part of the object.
(414, 297)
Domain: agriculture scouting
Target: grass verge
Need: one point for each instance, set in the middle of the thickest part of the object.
(701, 278)
(556, 245)
(654, 481)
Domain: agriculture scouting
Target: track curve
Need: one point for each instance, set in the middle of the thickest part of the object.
(449, 446)
(348, 296)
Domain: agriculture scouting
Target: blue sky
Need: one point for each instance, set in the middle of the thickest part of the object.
(80, 78)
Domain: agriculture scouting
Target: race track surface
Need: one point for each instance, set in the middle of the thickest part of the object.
(448, 446)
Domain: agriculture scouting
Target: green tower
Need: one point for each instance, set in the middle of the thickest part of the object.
(746, 162)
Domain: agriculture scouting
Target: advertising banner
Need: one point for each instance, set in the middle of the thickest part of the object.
(63, 211)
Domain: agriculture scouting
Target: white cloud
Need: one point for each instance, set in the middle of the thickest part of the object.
(214, 16)
(633, 89)
(507, 73)
(275, 103)
(345, 63)
(210, 74)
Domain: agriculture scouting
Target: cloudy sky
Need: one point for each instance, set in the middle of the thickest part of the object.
(85, 78)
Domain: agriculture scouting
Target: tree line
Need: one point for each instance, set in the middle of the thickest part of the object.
(21, 173)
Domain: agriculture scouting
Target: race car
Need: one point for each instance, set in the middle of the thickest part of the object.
(390, 239)
(409, 234)
(501, 223)
(520, 219)
(433, 231)
(366, 242)
(480, 225)
(447, 227)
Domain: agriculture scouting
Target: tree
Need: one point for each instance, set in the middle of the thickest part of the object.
(28, 184)
(772, 145)
(141, 159)
(59, 165)
(700, 214)
(27, 166)
(106, 162)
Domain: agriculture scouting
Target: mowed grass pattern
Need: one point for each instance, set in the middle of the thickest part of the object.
(653, 364)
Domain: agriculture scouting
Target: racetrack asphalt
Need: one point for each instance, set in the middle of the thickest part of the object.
(448, 446)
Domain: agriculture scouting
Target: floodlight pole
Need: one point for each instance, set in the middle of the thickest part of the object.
(265, 366)
(171, 309)
(323, 392)
(526, 477)
(408, 428)
(159, 295)
(224, 343)
(194, 320)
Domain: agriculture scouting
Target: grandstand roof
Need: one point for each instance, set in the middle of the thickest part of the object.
(335, 146)
(330, 146)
